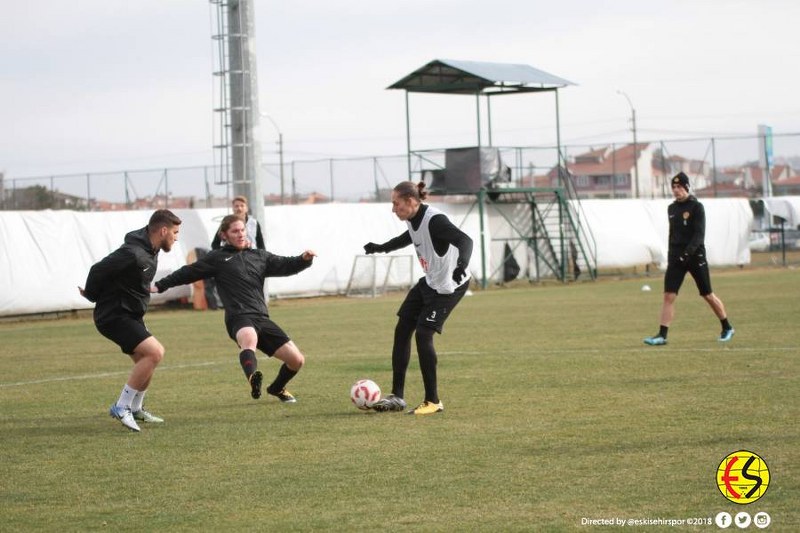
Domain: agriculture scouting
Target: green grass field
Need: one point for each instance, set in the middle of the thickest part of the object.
(555, 412)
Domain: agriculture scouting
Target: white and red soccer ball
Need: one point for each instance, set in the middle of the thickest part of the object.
(364, 393)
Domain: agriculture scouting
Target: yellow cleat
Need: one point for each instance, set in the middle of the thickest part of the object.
(283, 395)
(427, 408)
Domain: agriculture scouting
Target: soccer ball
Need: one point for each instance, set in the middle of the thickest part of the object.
(364, 393)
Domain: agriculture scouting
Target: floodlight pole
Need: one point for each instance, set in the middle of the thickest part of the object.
(635, 144)
(245, 116)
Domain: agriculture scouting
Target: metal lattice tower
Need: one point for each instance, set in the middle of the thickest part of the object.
(237, 150)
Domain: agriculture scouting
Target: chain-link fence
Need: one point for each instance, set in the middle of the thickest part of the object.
(717, 166)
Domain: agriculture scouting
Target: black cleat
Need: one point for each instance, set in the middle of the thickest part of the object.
(389, 403)
(255, 384)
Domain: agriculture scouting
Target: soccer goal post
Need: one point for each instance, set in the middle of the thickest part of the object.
(373, 275)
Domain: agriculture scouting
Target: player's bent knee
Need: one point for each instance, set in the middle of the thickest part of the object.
(290, 354)
(149, 349)
(295, 359)
(156, 355)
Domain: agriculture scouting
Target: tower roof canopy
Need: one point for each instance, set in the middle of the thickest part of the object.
(446, 76)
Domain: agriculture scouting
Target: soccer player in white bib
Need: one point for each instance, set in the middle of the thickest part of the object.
(444, 252)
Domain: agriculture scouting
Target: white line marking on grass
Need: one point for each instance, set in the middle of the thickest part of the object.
(642, 349)
(718, 349)
(102, 375)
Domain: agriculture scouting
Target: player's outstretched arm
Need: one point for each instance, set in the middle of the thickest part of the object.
(401, 241)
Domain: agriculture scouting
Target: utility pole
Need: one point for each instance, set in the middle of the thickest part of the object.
(280, 156)
(635, 144)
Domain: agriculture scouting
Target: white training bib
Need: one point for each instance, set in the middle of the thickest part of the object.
(251, 228)
(438, 270)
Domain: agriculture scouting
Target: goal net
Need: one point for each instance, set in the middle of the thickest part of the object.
(373, 275)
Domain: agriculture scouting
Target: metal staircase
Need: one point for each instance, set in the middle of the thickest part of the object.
(549, 223)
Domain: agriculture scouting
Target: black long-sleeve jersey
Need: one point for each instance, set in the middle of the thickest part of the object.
(119, 284)
(687, 228)
(239, 275)
(443, 234)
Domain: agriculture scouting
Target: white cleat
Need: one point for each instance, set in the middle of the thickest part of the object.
(143, 416)
(124, 415)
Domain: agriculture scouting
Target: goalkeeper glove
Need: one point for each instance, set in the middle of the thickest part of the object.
(372, 248)
(459, 273)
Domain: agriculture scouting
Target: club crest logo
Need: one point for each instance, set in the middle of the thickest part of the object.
(743, 477)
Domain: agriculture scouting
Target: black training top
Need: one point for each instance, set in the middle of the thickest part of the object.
(120, 283)
(687, 227)
(443, 234)
(239, 275)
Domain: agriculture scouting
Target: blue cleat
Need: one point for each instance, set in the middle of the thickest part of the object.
(726, 335)
(658, 340)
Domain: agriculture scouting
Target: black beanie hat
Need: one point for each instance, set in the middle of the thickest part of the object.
(682, 180)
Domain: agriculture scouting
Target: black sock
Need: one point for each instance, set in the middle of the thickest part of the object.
(247, 358)
(285, 374)
(662, 331)
(401, 355)
(725, 324)
(427, 363)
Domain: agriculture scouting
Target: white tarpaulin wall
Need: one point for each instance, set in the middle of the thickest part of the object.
(635, 232)
(631, 232)
(786, 207)
(46, 255)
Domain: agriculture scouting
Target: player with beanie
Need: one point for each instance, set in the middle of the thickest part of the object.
(687, 254)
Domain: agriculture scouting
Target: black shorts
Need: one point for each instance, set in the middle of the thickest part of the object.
(697, 266)
(127, 331)
(270, 335)
(427, 307)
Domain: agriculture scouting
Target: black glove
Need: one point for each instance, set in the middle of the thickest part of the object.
(372, 248)
(459, 274)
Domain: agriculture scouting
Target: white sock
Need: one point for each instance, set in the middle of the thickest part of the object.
(138, 400)
(126, 397)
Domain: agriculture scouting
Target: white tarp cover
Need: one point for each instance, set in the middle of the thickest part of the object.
(46, 255)
(636, 232)
(629, 233)
(786, 207)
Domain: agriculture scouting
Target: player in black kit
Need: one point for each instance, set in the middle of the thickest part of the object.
(240, 272)
(687, 253)
(443, 251)
(120, 287)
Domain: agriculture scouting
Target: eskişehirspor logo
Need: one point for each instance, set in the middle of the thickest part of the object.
(743, 477)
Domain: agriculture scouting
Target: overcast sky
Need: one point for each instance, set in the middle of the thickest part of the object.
(126, 84)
